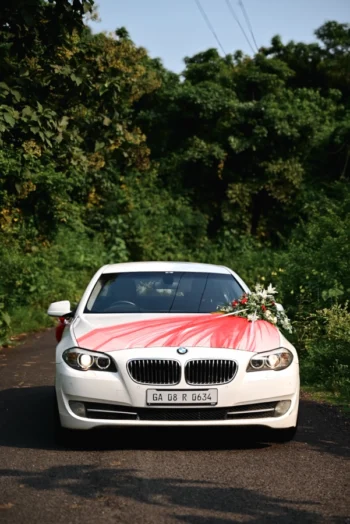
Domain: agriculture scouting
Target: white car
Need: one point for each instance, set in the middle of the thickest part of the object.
(143, 348)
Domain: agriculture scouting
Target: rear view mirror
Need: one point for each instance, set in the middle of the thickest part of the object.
(59, 309)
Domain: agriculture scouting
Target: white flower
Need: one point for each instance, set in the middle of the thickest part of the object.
(271, 290)
(259, 293)
(253, 317)
(286, 324)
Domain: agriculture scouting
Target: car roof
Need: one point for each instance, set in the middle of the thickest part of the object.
(194, 267)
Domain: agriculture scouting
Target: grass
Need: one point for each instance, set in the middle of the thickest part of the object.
(29, 320)
(335, 399)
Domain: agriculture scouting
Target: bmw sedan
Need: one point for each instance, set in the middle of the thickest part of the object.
(148, 346)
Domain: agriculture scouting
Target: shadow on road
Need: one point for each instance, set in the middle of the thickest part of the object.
(26, 421)
(104, 484)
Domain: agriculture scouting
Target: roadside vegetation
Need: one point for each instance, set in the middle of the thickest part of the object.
(106, 157)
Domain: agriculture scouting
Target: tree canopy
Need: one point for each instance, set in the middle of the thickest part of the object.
(107, 156)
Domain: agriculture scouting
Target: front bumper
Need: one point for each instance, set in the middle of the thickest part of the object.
(118, 392)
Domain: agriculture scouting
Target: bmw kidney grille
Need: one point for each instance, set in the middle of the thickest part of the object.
(154, 371)
(168, 372)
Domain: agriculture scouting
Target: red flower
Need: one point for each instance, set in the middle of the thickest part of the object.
(234, 303)
(263, 307)
(244, 300)
(273, 303)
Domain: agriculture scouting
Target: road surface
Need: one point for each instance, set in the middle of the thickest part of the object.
(187, 476)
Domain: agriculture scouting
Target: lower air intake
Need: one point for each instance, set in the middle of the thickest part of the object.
(117, 412)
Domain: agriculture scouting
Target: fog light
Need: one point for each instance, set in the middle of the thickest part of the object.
(282, 407)
(78, 408)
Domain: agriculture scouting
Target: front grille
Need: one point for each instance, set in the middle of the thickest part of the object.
(115, 412)
(161, 372)
(203, 372)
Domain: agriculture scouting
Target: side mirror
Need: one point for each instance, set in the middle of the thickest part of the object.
(279, 307)
(59, 309)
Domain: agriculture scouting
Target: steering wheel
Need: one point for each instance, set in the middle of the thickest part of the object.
(128, 302)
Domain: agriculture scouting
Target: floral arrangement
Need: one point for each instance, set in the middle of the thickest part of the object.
(258, 305)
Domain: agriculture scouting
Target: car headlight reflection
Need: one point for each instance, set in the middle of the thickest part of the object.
(83, 360)
(273, 361)
(276, 360)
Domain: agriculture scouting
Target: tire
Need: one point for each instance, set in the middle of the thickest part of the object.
(64, 437)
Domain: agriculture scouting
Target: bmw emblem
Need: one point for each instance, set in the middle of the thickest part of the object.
(182, 351)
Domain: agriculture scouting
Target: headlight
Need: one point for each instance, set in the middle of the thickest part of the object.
(83, 359)
(272, 360)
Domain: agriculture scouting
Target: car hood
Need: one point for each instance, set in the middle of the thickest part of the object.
(106, 332)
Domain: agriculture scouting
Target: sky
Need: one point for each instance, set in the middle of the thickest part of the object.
(173, 29)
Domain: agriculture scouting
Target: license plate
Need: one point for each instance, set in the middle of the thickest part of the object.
(178, 397)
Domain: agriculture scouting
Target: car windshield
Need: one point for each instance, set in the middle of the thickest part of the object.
(162, 292)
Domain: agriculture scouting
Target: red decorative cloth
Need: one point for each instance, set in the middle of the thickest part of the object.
(60, 328)
(205, 330)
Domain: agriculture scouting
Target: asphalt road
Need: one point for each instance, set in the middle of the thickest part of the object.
(201, 476)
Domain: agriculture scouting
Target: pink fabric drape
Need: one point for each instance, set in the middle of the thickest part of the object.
(215, 331)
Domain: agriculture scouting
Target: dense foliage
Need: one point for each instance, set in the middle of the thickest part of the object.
(106, 156)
